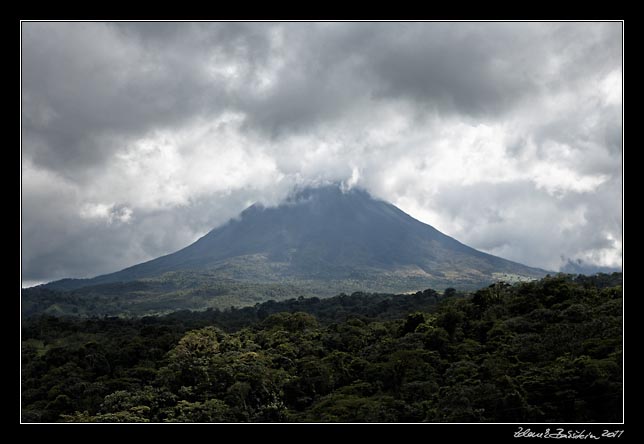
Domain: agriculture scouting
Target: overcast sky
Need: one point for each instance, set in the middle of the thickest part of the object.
(138, 138)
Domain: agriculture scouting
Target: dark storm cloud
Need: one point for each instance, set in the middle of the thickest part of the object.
(91, 82)
(469, 69)
(475, 69)
(155, 74)
(142, 136)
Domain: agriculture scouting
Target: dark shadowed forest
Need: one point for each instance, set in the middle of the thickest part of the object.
(542, 351)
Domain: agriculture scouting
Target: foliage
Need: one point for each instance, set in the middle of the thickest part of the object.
(544, 351)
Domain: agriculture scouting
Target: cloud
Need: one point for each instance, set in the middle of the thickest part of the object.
(140, 137)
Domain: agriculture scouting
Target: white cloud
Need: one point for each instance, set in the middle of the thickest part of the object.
(108, 213)
(611, 87)
(352, 181)
(557, 179)
(96, 211)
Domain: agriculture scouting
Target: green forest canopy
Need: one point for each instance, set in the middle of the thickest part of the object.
(543, 351)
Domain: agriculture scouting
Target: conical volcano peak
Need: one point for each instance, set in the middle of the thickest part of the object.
(315, 195)
(331, 234)
(326, 192)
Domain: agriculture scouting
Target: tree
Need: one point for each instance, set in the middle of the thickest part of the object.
(449, 292)
(412, 321)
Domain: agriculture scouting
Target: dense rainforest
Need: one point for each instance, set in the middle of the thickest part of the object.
(541, 351)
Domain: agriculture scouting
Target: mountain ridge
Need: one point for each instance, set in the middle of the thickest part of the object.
(322, 233)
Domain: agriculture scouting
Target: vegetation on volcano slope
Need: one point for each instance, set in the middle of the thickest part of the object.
(543, 351)
(202, 290)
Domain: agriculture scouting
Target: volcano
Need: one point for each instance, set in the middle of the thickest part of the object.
(327, 234)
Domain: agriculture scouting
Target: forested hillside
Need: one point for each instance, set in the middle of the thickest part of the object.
(543, 351)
